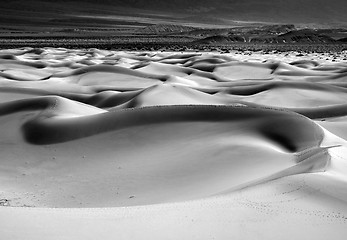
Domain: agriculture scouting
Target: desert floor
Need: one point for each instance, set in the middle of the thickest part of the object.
(100, 144)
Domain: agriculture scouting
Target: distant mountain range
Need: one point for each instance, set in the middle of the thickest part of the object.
(266, 34)
(276, 34)
(164, 29)
(137, 13)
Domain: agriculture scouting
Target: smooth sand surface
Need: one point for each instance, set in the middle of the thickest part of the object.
(100, 144)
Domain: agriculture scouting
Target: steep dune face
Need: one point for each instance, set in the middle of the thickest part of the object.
(187, 136)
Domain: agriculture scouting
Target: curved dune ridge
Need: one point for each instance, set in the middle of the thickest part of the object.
(205, 138)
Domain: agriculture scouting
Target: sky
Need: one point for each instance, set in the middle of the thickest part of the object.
(98, 13)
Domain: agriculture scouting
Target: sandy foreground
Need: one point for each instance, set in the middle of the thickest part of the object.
(130, 145)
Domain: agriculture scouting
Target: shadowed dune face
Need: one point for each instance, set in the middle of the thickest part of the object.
(94, 128)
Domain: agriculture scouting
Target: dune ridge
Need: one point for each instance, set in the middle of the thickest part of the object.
(130, 142)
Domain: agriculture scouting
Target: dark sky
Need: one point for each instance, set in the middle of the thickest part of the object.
(99, 12)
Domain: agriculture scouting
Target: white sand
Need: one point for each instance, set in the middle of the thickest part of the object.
(172, 146)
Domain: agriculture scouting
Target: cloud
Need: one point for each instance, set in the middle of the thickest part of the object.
(200, 9)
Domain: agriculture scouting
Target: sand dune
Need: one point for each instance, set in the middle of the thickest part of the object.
(98, 144)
